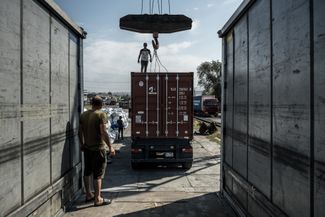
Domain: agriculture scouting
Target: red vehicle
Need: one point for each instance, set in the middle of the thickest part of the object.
(206, 105)
(162, 118)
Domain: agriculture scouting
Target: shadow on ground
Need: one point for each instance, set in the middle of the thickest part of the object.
(211, 204)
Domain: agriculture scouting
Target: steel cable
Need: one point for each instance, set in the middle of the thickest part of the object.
(169, 5)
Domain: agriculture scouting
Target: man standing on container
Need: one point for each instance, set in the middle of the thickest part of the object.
(144, 54)
(93, 138)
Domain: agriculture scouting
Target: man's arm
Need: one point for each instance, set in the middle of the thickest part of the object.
(105, 137)
(139, 55)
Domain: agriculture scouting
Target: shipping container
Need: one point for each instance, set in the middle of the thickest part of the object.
(205, 105)
(162, 117)
(273, 145)
(40, 102)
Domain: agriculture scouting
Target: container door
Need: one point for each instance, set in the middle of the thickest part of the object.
(152, 105)
(145, 105)
(177, 105)
(185, 106)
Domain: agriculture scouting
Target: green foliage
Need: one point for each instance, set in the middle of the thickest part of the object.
(209, 74)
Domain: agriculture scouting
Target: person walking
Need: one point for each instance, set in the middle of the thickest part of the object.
(120, 125)
(93, 138)
(144, 54)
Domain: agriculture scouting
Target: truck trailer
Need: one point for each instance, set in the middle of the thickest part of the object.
(205, 105)
(162, 118)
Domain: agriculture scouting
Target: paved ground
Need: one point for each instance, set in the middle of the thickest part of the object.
(161, 191)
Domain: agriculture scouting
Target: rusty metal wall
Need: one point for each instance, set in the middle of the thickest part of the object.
(40, 103)
(273, 113)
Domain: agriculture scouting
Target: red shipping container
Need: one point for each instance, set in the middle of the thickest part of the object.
(162, 105)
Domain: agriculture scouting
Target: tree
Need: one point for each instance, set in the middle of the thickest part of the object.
(209, 74)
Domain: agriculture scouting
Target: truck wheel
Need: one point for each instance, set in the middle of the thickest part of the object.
(187, 165)
(135, 166)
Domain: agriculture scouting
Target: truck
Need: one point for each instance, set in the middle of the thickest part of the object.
(161, 118)
(205, 105)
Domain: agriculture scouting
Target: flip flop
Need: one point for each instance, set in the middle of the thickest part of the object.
(90, 199)
(104, 203)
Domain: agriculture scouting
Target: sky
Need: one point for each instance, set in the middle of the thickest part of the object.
(110, 54)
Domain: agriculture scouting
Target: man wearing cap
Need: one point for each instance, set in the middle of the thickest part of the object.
(93, 138)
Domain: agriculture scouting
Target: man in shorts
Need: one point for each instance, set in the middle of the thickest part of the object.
(144, 54)
(93, 138)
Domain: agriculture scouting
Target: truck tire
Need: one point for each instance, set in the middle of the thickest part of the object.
(135, 166)
(187, 165)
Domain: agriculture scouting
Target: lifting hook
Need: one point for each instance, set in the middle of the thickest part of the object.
(155, 42)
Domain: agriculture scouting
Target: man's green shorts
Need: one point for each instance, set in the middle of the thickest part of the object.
(95, 163)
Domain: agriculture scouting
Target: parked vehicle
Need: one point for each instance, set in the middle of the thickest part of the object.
(125, 104)
(206, 105)
(162, 118)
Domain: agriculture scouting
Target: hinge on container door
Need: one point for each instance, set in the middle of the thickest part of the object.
(224, 108)
(225, 85)
(79, 86)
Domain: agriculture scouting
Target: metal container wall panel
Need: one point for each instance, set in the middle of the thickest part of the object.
(259, 149)
(75, 99)
(35, 152)
(59, 99)
(319, 79)
(10, 140)
(162, 105)
(291, 109)
(254, 209)
(240, 107)
(240, 99)
(36, 110)
(228, 91)
(286, 107)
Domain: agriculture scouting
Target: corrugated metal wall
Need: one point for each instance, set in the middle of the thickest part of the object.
(40, 102)
(274, 108)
